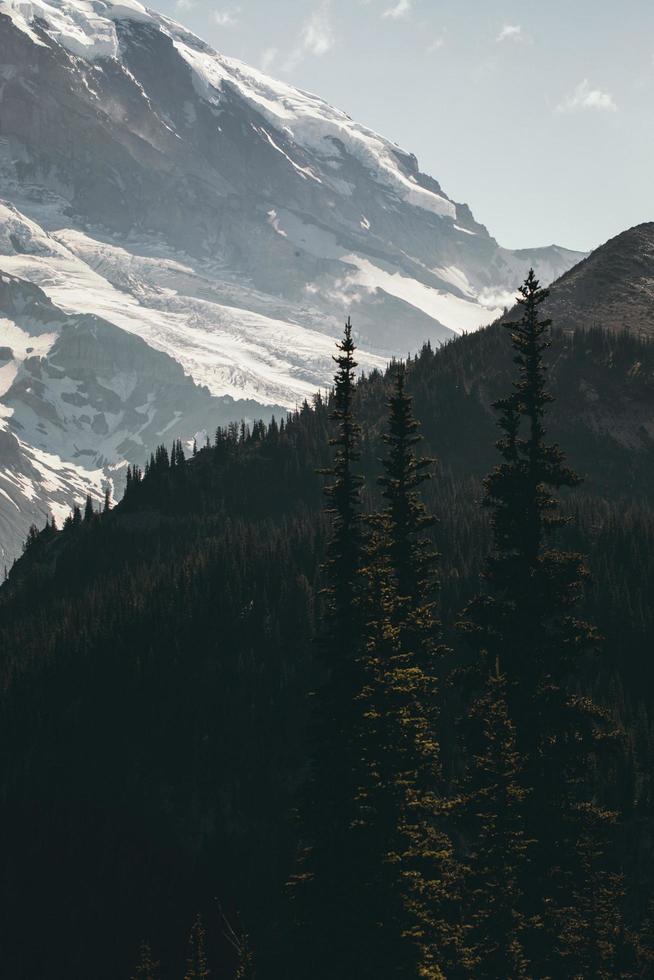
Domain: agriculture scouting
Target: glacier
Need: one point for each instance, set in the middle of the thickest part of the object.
(165, 206)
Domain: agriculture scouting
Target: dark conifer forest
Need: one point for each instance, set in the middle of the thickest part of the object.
(363, 692)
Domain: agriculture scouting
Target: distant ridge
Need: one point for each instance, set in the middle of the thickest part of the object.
(612, 288)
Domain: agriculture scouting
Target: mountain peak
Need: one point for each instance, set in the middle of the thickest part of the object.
(91, 31)
(83, 28)
(612, 288)
(228, 220)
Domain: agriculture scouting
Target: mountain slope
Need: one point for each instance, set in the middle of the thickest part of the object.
(201, 629)
(228, 220)
(125, 120)
(80, 399)
(612, 288)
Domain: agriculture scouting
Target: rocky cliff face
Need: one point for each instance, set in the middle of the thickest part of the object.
(211, 216)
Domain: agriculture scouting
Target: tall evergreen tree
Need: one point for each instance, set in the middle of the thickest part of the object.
(412, 862)
(494, 906)
(330, 889)
(524, 630)
(405, 517)
(146, 967)
(32, 538)
(343, 565)
(196, 962)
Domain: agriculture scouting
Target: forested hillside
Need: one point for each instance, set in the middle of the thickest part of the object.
(159, 729)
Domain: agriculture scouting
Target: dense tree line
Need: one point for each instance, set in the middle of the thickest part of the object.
(215, 693)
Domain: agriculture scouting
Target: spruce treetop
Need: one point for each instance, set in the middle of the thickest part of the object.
(405, 515)
(196, 963)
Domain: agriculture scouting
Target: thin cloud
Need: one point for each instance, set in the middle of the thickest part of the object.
(316, 38)
(436, 45)
(317, 35)
(182, 6)
(268, 58)
(401, 9)
(585, 97)
(511, 32)
(224, 18)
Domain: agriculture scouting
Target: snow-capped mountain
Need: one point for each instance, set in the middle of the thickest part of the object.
(208, 218)
(80, 399)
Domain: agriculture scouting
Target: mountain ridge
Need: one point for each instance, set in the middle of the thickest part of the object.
(230, 221)
(613, 287)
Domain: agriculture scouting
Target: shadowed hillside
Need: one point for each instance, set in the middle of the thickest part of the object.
(157, 659)
(612, 288)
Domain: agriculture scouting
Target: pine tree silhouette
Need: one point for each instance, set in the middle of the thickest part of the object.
(146, 967)
(344, 493)
(524, 630)
(414, 873)
(328, 889)
(196, 962)
(412, 558)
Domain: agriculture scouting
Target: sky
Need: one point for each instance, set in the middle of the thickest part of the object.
(539, 115)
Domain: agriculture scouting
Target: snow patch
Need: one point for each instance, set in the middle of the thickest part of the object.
(456, 277)
(459, 314)
(83, 27)
(24, 344)
(304, 172)
(273, 221)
